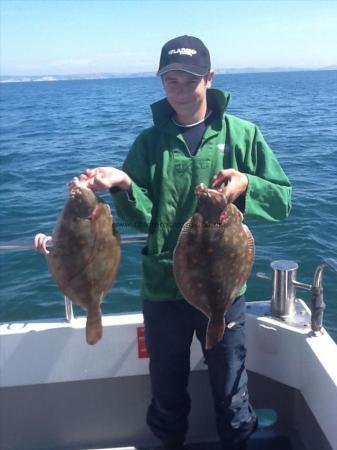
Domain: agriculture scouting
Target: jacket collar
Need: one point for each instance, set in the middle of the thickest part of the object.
(162, 111)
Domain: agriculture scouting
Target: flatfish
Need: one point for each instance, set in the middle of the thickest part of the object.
(213, 258)
(85, 255)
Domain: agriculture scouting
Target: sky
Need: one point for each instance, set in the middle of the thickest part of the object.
(60, 37)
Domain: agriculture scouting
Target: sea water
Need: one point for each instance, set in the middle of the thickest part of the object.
(53, 131)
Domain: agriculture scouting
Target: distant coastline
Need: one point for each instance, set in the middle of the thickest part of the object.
(106, 76)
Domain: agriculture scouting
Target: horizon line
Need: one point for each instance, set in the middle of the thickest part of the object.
(106, 75)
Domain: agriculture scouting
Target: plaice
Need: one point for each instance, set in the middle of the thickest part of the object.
(85, 255)
(213, 258)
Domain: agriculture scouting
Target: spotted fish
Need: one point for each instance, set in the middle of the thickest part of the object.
(213, 258)
(85, 255)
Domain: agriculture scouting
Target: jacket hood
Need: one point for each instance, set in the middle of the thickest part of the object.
(217, 100)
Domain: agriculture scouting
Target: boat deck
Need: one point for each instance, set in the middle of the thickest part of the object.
(262, 440)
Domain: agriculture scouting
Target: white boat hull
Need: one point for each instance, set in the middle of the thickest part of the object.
(58, 392)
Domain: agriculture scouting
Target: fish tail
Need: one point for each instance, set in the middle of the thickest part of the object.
(215, 330)
(94, 329)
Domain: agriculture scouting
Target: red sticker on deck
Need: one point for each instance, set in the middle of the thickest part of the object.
(142, 350)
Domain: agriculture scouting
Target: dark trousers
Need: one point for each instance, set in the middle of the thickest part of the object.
(169, 329)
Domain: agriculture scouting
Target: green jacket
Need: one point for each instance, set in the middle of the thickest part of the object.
(164, 176)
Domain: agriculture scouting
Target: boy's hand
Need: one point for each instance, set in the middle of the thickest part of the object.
(103, 178)
(236, 183)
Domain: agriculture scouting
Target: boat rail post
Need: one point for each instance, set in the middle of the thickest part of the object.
(68, 305)
(284, 286)
(317, 304)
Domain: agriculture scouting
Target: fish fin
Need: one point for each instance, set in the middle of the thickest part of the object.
(185, 228)
(94, 329)
(215, 330)
(251, 245)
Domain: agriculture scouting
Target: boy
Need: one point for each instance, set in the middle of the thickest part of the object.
(192, 141)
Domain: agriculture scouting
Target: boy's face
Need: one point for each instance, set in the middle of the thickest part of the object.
(186, 93)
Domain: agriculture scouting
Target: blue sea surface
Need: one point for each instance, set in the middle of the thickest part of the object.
(53, 131)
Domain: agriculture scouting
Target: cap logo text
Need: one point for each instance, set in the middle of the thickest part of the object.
(183, 51)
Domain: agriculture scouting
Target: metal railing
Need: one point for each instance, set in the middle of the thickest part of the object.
(125, 239)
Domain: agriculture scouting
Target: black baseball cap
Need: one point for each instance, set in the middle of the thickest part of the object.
(186, 53)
